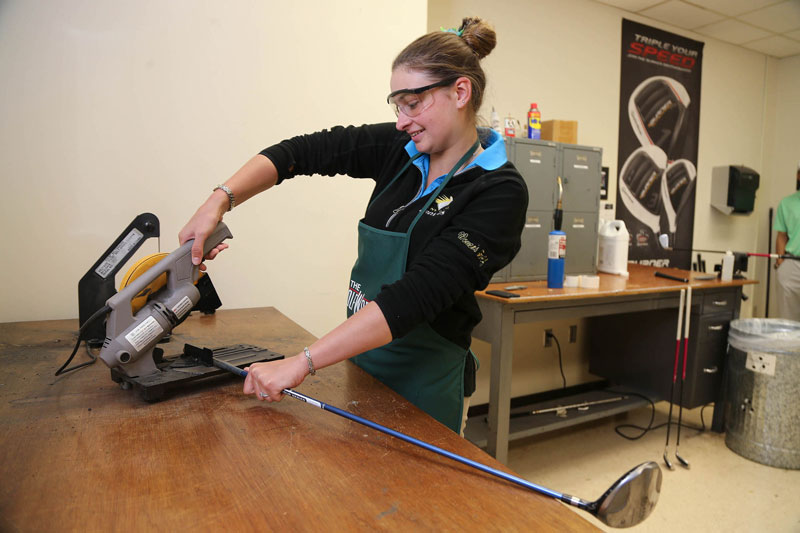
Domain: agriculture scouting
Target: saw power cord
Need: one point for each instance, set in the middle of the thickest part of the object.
(650, 427)
(98, 314)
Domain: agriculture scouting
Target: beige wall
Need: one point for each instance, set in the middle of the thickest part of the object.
(565, 55)
(782, 146)
(111, 109)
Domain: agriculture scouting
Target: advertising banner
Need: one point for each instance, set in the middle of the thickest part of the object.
(659, 114)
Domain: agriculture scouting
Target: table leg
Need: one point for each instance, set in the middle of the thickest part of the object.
(502, 343)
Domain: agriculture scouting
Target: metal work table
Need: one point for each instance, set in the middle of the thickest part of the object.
(641, 292)
(78, 453)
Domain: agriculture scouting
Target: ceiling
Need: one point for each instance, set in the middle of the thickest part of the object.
(771, 27)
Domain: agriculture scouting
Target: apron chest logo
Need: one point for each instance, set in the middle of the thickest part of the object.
(356, 299)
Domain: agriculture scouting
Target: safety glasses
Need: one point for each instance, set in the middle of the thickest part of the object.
(412, 102)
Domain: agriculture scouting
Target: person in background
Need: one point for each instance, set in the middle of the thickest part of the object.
(446, 213)
(787, 242)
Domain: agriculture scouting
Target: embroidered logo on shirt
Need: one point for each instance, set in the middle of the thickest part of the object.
(479, 252)
(443, 201)
(440, 205)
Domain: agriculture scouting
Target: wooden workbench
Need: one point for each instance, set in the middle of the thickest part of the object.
(641, 292)
(77, 453)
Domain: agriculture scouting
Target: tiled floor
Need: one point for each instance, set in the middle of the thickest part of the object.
(722, 491)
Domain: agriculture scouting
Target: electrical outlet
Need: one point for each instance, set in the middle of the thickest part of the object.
(573, 334)
(547, 340)
(762, 363)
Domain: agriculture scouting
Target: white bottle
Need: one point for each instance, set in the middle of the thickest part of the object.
(496, 122)
(727, 266)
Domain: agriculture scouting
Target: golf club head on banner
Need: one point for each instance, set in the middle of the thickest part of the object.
(656, 110)
(677, 186)
(640, 187)
(632, 498)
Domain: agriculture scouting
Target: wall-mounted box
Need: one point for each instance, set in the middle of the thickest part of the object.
(733, 189)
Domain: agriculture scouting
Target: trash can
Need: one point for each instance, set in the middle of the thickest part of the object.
(762, 406)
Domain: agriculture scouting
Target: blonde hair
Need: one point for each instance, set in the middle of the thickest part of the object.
(453, 53)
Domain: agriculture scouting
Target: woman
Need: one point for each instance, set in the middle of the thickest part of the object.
(446, 213)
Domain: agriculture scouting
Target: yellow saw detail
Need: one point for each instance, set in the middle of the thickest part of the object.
(137, 269)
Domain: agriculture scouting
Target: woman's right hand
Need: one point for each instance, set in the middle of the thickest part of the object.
(202, 224)
(258, 174)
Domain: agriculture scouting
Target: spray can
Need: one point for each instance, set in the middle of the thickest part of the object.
(534, 123)
(556, 252)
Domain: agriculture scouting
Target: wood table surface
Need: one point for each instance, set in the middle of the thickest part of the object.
(641, 280)
(78, 453)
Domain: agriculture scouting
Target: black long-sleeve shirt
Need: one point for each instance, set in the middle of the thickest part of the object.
(454, 249)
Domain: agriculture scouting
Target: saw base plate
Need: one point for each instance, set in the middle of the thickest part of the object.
(179, 371)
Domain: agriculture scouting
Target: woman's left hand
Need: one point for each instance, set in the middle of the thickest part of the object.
(267, 380)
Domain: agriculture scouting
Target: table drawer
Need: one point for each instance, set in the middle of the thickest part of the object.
(704, 373)
(720, 301)
(712, 328)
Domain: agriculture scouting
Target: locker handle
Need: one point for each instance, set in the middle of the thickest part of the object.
(720, 303)
(716, 328)
(712, 370)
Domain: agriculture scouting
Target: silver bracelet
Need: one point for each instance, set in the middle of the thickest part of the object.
(227, 190)
(309, 361)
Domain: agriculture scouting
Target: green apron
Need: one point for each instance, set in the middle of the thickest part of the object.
(422, 366)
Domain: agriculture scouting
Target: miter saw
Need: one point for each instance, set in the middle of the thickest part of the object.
(156, 295)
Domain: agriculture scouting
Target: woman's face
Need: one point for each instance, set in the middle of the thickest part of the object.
(433, 129)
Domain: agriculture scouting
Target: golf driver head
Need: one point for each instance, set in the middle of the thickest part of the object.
(656, 110)
(640, 187)
(632, 498)
(677, 187)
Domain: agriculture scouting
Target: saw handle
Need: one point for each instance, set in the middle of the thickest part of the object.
(179, 263)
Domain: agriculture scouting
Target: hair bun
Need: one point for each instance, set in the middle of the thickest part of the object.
(478, 35)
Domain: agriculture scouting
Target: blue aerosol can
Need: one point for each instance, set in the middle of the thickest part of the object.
(556, 253)
(534, 122)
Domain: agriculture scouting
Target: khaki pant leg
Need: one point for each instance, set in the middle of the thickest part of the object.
(789, 289)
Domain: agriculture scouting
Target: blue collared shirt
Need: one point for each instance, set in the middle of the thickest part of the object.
(493, 157)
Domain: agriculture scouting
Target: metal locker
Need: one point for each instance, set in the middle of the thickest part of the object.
(536, 161)
(581, 229)
(501, 275)
(580, 169)
(541, 163)
(531, 261)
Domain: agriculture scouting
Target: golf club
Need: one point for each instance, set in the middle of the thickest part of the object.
(626, 503)
(677, 186)
(639, 185)
(663, 240)
(674, 377)
(680, 459)
(656, 110)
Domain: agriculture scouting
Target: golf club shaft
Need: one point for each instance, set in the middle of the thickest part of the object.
(571, 406)
(685, 353)
(674, 372)
(566, 498)
(748, 254)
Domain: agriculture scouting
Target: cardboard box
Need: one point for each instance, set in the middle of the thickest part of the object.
(562, 131)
